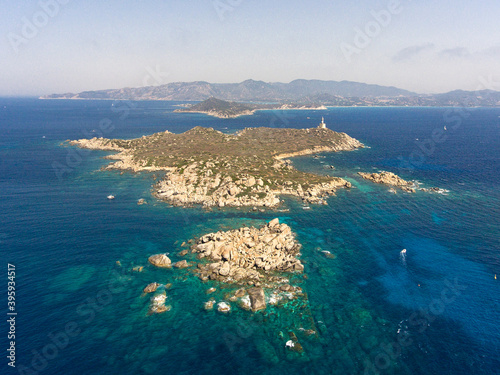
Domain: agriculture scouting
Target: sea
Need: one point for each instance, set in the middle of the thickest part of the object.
(411, 283)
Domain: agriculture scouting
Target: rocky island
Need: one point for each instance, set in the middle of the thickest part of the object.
(223, 109)
(391, 179)
(248, 255)
(251, 269)
(214, 169)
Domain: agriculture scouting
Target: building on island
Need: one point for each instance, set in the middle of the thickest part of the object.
(322, 124)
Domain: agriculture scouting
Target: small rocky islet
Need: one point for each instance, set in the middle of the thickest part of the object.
(252, 269)
(253, 260)
(391, 179)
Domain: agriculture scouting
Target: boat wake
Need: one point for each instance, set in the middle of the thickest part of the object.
(402, 257)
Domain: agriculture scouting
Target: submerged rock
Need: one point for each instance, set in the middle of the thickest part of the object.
(157, 305)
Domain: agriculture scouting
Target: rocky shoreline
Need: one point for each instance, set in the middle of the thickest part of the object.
(124, 156)
(190, 187)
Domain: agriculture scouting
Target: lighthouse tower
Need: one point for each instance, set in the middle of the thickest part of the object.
(322, 124)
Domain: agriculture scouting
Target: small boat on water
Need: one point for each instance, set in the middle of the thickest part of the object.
(111, 197)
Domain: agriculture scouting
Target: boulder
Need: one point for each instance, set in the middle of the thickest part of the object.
(226, 253)
(181, 264)
(223, 307)
(233, 190)
(150, 288)
(298, 267)
(225, 269)
(240, 293)
(160, 260)
(209, 305)
(257, 299)
(286, 288)
(273, 223)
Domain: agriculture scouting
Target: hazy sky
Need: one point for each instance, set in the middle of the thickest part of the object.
(52, 46)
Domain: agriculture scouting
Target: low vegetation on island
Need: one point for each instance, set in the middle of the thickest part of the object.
(211, 168)
(223, 109)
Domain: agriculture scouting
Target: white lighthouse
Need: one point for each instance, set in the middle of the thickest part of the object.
(322, 124)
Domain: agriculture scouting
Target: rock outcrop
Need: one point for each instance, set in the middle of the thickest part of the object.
(157, 305)
(150, 288)
(181, 264)
(257, 299)
(160, 260)
(189, 186)
(389, 178)
(248, 255)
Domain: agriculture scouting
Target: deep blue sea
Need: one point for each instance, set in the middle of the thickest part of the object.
(433, 310)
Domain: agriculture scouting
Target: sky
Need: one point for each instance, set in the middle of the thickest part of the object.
(59, 46)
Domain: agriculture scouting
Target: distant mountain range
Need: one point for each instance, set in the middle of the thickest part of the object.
(245, 91)
(344, 93)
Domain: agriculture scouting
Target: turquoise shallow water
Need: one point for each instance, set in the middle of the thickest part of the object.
(435, 310)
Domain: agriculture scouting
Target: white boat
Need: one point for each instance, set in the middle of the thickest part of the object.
(111, 197)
